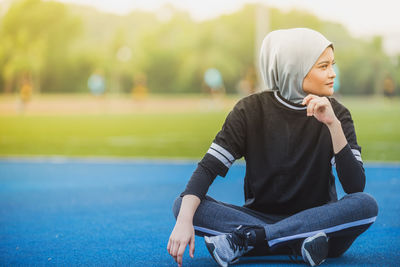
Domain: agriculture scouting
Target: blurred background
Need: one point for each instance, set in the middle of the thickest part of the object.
(156, 79)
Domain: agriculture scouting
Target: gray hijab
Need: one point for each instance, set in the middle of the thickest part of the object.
(286, 58)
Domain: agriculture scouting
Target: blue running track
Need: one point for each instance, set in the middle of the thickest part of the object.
(80, 212)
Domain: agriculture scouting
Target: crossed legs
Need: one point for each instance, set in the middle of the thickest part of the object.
(343, 221)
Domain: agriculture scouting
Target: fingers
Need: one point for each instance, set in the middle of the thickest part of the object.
(170, 248)
(177, 248)
(191, 247)
(181, 250)
(310, 106)
(175, 251)
(314, 104)
(308, 98)
(319, 107)
(179, 239)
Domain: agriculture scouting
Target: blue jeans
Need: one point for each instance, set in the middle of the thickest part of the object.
(343, 221)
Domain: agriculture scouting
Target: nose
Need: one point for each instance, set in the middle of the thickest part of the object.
(332, 73)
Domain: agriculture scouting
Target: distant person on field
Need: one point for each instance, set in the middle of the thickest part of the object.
(140, 90)
(25, 94)
(214, 82)
(290, 135)
(388, 87)
(96, 83)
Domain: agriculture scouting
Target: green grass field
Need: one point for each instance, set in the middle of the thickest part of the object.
(172, 134)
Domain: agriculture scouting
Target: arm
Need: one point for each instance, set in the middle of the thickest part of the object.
(183, 232)
(350, 170)
(338, 139)
(225, 149)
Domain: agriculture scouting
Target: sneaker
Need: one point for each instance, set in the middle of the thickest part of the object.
(227, 248)
(315, 249)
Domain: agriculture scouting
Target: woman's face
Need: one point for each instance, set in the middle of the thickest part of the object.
(319, 81)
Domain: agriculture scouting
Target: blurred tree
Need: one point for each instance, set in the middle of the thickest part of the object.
(39, 40)
(35, 40)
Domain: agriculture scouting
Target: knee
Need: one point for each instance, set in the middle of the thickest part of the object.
(177, 206)
(367, 204)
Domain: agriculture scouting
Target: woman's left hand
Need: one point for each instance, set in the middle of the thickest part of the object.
(320, 108)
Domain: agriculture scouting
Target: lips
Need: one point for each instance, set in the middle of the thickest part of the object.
(330, 84)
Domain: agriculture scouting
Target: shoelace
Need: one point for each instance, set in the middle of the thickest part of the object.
(238, 240)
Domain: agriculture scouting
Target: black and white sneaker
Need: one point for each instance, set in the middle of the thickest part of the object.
(227, 248)
(315, 249)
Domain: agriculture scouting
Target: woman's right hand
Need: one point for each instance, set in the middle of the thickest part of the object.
(181, 236)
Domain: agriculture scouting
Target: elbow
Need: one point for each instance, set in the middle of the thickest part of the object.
(356, 187)
(354, 190)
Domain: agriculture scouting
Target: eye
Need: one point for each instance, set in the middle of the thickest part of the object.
(324, 66)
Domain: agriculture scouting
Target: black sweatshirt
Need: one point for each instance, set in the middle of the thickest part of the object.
(289, 156)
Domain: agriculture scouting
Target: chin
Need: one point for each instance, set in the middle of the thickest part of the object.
(328, 92)
(321, 90)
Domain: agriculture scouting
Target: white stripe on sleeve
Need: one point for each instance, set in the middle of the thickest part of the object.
(223, 151)
(357, 154)
(220, 157)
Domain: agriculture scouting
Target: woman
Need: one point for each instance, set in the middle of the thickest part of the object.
(290, 136)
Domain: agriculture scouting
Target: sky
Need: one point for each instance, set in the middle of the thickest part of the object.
(363, 18)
